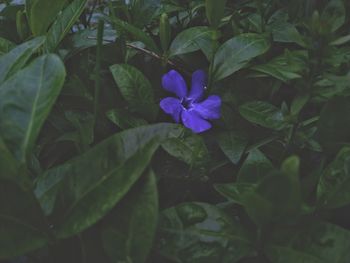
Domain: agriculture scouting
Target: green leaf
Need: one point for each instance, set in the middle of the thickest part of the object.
(283, 31)
(190, 149)
(5, 45)
(254, 168)
(21, 222)
(334, 185)
(276, 198)
(233, 145)
(137, 34)
(43, 13)
(235, 191)
(128, 232)
(215, 11)
(264, 114)
(124, 119)
(340, 41)
(143, 11)
(95, 181)
(334, 14)
(236, 53)
(9, 168)
(198, 232)
(192, 39)
(14, 60)
(63, 23)
(286, 67)
(311, 242)
(334, 124)
(136, 89)
(26, 100)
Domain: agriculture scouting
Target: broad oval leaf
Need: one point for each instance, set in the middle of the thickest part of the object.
(63, 23)
(264, 114)
(334, 14)
(26, 100)
(189, 149)
(136, 90)
(276, 198)
(236, 52)
(21, 222)
(235, 191)
(334, 186)
(129, 230)
(124, 119)
(92, 183)
(286, 67)
(192, 39)
(255, 167)
(311, 242)
(42, 14)
(233, 145)
(199, 232)
(14, 60)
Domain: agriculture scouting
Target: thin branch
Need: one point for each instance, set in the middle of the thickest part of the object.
(152, 54)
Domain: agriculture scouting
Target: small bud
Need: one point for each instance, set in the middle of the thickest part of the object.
(164, 31)
(215, 11)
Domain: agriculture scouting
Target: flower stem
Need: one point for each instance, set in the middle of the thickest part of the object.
(98, 68)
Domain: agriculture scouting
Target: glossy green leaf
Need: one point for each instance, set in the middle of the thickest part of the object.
(334, 124)
(236, 53)
(255, 167)
(136, 89)
(340, 41)
(189, 149)
(21, 221)
(192, 39)
(215, 11)
(132, 224)
(124, 119)
(198, 232)
(95, 181)
(9, 168)
(282, 30)
(39, 20)
(334, 14)
(143, 11)
(63, 23)
(264, 114)
(233, 145)
(136, 33)
(275, 198)
(14, 60)
(334, 185)
(235, 191)
(311, 242)
(26, 100)
(286, 67)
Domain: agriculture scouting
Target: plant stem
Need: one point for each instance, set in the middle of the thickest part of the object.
(98, 68)
(152, 54)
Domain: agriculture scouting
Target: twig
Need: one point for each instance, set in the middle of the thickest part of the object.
(92, 12)
(152, 54)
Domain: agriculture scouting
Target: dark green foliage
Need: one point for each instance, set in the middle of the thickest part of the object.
(92, 170)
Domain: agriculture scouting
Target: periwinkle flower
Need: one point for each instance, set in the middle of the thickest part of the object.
(190, 106)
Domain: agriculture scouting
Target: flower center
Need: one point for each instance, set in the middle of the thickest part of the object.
(187, 103)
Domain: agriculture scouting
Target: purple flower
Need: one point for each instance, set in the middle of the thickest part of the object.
(189, 106)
